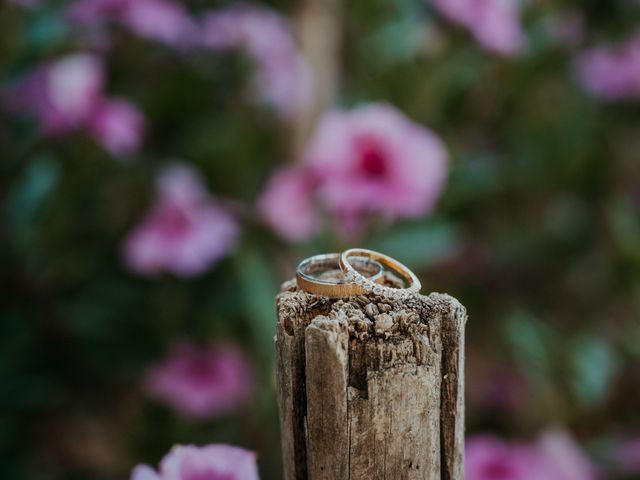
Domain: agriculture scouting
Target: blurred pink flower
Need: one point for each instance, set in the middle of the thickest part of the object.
(554, 457)
(165, 21)
(117, 125)
(611, 72)
(281, 78)
(186, 232)
(162, 20)
(286, 205)
(564, 456)
(67, 94)
(201, 382)
(489, 458)
(211, 462)
(89, 13)
(627, 457)
(62, 94)
(375, 160)
(495, 24)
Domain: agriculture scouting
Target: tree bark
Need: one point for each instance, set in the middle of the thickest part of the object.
(370, 389)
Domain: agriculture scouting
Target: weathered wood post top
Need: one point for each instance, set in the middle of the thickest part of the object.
(370, 388)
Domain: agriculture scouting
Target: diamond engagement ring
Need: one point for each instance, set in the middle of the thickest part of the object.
(412, 284)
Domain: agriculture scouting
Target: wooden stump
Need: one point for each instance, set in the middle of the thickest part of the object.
(370, 389)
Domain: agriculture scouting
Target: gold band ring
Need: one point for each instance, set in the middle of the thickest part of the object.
(412, 283)
(309, 271)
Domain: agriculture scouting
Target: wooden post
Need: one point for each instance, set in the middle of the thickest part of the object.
(369, 389)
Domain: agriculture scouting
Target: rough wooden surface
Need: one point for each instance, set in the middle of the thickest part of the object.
(369, 389)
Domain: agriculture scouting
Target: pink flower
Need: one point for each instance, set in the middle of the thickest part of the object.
(201, 383)
(611, 72)
(489, 458)
(61, 94)
(186, 232)
(118, 126)
(495, 24)
(67, 95)
(565, 458)
(165, 21)
(627, 456)
(212, 462)
(281, 77)
(161, 20)
(286, 204)
(371, 160)
(555, 456)
(89, 13)
(375, 160)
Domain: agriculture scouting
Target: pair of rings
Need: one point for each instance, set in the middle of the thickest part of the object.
(362, 274)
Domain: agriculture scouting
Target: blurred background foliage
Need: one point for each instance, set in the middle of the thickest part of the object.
(537, 232)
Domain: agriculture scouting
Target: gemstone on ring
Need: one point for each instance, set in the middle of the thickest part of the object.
(391, 264)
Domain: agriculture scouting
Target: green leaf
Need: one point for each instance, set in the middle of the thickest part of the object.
(626, 229)
(259, 289)
(29, 194)
(593, 367)
(530, 341)
(420, 245)
(45, 28)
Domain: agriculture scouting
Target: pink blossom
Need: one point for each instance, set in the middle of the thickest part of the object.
(201, 382)
(627, 456)
(286, 204)
(375, 160)
(186, 232)
(89, 13)
(67, 94)
(117, 125)
(211, 462)
(162, 20)
(165, 21)
(495, 24)
(61, 94)
(281, 77)
(611, 72)
(489, 458)
(554, 456)
(565, 458)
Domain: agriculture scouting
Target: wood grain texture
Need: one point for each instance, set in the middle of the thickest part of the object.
(369, 389)
(327, 345)
(452, 413)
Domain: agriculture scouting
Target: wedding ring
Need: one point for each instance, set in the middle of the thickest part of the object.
(352, 275)
(309, 279)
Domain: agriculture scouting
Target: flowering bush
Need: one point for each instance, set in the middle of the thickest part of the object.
(167, 163)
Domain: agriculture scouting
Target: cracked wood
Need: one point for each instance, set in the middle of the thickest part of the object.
(369, 389)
